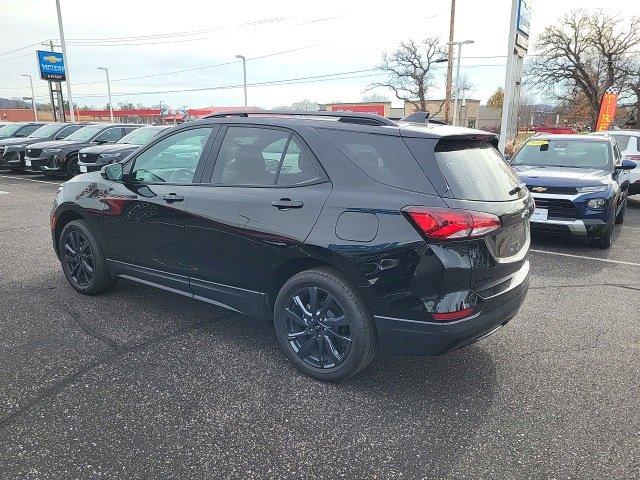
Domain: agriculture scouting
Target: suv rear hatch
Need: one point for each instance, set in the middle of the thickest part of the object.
(470, 174)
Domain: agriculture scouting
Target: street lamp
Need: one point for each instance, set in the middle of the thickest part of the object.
(244, 73)
(33, 98)
(455, 103)
(106, 70)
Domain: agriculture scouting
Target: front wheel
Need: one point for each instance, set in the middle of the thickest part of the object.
(72, 168)
(605, 240)
(82, 260)
(323, 326)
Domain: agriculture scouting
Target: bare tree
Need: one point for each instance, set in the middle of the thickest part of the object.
(585, 53)
(374, 97)
(409, 70)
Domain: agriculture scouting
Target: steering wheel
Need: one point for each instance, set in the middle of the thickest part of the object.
(182, 175)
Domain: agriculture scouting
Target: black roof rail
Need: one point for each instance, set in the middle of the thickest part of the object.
(345, 117)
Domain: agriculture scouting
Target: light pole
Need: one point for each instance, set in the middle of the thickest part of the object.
(455, 103)
(66, 62)
(106, 70)
(244, 74)
(33, 98)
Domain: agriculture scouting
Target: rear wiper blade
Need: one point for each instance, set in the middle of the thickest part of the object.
(516, 190)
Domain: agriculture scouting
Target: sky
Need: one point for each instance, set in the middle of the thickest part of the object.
(190, 45)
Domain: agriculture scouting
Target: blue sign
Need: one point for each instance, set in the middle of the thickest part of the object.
(51, 66)
(524, 17)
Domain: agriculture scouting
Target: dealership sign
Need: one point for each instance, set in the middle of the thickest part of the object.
(51, 65)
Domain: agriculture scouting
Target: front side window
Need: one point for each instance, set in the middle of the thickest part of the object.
(262, 157)
(140, 136)
(28, 130)
(109, 135)
(625, 142)
(564, 153)
(174, 159)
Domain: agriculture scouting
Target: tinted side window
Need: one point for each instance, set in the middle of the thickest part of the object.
(297, 166)
(250, 156)
(110, 135)
(29, 130)
(66, 131)
(384, 158)
(173, 159)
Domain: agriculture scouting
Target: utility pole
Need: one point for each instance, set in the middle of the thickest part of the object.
(66, 62)
(455, 105)
(106, 70)
(447, 101)
(244, 73)
(33, 98)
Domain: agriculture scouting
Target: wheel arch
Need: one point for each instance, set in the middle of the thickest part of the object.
(62, 219)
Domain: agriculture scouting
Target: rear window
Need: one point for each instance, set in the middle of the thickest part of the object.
(474, 170)
(384, 158)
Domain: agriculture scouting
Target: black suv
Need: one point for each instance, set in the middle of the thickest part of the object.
(94, 158)
(19, 129)
(61, 156)
(13, 149)
(349, 232)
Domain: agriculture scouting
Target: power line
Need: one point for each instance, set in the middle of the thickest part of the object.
(19, 49)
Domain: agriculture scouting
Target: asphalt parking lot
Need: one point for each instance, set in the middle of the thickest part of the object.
(138, 383)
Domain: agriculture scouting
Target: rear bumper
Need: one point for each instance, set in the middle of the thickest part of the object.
(413, 337)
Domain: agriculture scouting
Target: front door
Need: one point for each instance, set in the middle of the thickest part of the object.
(145, 214)
(264, 196)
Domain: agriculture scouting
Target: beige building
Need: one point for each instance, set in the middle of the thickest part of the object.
(468, 111)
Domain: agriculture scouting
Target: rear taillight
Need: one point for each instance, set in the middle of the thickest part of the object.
(451, 223)
(456, 315)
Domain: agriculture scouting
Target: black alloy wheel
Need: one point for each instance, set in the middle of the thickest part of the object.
(73, 168)
(78, 258)
(317, 328)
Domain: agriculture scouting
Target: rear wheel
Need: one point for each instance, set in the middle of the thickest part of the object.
(323, 326)
(82, 260)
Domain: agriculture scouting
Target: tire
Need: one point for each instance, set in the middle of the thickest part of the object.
(346, 316)
(621, 213)
(87, 257)
(72, 169)
(605, 240)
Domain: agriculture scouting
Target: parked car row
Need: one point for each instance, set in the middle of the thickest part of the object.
(58, 148)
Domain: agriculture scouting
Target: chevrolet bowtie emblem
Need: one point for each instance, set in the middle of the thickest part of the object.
(52, 59)
(539, 189)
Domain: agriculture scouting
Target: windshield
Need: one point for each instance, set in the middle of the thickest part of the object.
(140, 136)
(85, 134)
(576, 153)
(46, 131)
(10, 129)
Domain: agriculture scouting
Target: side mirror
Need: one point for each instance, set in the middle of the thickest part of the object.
(101, 141)
(113, 171)
(626, 165)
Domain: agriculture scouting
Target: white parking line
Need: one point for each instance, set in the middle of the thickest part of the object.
(2, 192)
(29, 179)
(607, 260)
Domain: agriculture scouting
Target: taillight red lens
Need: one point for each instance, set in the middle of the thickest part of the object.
(451, 223)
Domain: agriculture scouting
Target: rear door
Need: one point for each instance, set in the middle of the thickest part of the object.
(473, 176)
(264, 195)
